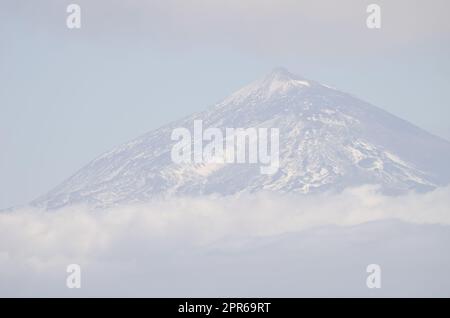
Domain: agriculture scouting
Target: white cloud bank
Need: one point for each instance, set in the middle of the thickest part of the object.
(261, 245)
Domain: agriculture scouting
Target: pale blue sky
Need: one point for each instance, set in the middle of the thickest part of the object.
(66, 96)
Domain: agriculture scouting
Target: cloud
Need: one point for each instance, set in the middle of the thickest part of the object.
(288, 27)
(178, 247)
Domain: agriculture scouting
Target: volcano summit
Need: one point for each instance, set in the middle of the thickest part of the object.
(328, 141)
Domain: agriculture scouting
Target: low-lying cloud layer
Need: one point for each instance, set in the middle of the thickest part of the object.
(259, 245)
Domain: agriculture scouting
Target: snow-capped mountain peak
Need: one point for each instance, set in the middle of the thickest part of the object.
(279, 82)
(329, 140)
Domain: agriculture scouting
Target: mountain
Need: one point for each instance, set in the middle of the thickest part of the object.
(328, 140)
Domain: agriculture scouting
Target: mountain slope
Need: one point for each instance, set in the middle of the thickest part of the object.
(329, 140)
